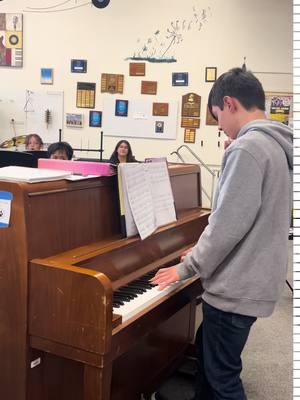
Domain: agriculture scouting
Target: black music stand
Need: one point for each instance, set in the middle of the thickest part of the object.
(21, 159)
(37, 154)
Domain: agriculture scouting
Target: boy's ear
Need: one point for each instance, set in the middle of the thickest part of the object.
(230, 103)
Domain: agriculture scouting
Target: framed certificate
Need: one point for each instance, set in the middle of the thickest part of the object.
(210, 74)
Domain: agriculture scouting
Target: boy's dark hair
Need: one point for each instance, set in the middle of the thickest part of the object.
(61, 146)
(240, 84)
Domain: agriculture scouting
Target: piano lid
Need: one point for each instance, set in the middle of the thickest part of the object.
(123, 260)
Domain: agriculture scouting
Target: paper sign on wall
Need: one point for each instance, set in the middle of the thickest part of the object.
(5, 208)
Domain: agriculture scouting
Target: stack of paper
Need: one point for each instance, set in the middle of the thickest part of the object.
(31, 175)
(146, 197)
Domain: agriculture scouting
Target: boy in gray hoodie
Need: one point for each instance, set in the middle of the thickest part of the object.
(241, 257)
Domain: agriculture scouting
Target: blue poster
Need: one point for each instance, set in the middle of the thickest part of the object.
(121, 108)
(95, 119)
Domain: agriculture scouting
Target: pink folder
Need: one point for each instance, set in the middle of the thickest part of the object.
(78, 167)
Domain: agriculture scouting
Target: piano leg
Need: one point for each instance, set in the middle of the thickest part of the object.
(97, 382)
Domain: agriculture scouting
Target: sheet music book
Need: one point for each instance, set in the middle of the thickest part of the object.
(31, 175)
(146, 197)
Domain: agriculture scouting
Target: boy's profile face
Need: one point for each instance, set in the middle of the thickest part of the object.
(59, 155)
(227, 117)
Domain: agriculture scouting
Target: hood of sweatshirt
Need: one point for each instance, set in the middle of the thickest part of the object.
(279, 132)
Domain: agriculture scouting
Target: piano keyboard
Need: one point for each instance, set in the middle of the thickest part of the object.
(137, 295)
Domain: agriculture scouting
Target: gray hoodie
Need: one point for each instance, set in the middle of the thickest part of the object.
(241, 256)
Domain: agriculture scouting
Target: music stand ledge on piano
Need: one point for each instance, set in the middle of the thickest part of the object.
(71, 264)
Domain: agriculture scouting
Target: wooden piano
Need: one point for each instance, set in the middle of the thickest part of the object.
(64, 333)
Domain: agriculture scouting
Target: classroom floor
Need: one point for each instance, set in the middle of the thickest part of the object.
(268, 356)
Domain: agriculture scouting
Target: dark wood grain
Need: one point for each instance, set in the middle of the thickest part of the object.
(58, 309)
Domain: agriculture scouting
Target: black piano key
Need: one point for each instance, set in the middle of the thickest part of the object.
(122, 297)
(132, 290)
(138, 287)
(135, 288)
(125, 295)
(121, 303)
(143, 283)
(128, 291)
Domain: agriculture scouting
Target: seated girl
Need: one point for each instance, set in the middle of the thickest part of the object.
(33, 142)
(122, 153)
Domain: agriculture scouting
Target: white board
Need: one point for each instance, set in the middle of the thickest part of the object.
(27, 111)
(140, 123)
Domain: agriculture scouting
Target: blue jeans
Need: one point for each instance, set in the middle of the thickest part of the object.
(220, 341)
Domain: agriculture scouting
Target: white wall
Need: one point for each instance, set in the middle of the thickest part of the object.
(259, 30)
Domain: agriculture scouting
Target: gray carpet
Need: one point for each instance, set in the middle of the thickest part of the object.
(267, 358)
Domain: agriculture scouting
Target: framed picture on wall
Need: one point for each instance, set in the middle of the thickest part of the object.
(121, 109)
(159, 126)
(46, 76)
(78, 66)
(74, 120)
(279, 107)
(180, 79)
(11, 40)
(210, 74)
(95, 119)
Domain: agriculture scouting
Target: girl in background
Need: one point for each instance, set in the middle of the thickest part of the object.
(122, 153)
(33, 142)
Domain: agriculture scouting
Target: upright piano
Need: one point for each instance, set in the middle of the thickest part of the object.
(71, 328)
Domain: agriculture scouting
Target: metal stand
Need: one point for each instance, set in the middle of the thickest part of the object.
(210, 171)
(100, 150)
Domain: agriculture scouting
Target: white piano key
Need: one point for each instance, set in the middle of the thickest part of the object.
(144, 300)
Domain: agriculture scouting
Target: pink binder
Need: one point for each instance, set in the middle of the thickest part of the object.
(83, 168)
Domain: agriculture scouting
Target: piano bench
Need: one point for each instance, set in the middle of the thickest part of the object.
(180, 385)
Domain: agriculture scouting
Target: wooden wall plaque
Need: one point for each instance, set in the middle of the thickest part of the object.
(190, 135)
(191, 103)
(160, 109)
(149, 87)
(190, 122)
(112, 83)
(85, 96)
(137, 69)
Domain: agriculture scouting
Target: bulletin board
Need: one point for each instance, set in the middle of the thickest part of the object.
(23, 112)
(139, 122)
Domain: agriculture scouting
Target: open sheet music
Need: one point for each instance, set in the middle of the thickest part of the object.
(146, 196)
(31, 175)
